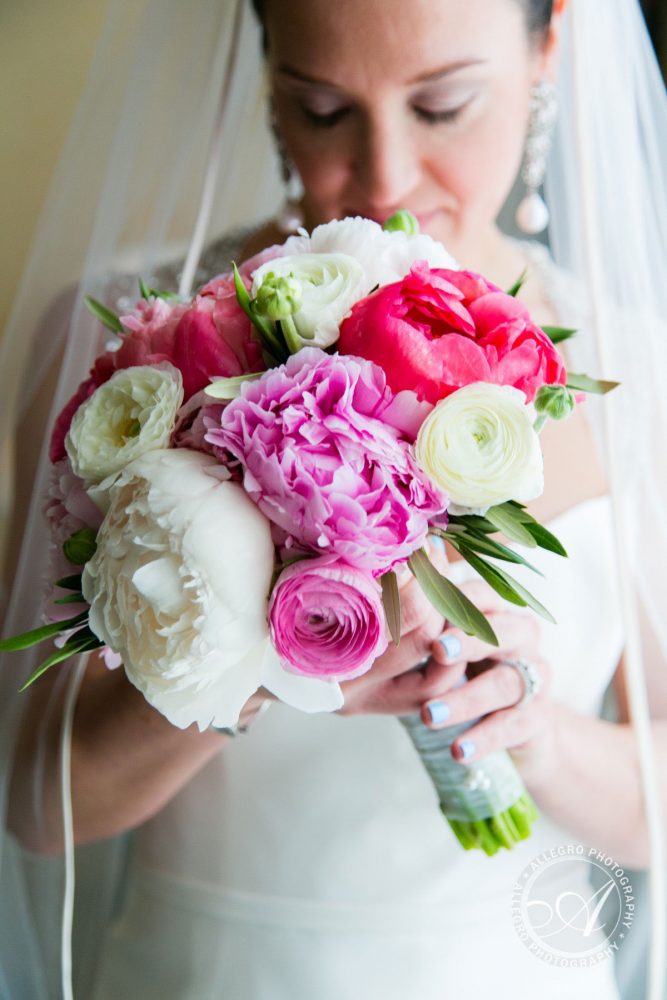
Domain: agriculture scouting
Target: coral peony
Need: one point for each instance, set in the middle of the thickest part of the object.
(438, 330)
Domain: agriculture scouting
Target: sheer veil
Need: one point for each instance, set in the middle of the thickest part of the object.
(175, 106)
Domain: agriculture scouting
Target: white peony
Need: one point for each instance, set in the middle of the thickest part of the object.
(179, 588)
(331, 283)
(134, 412)
(385, 257)
(480, 447)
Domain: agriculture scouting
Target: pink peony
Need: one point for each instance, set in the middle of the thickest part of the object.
(438, 330)
(326, 619)
(324, 462)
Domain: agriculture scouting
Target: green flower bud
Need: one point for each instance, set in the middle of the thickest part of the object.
(555, 401)
(278, 297)
(402, 222)
(80, 547)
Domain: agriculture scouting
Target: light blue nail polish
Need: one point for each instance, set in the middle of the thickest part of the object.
(439, 712)
(467, 748)
(438, 542)
(451, 645)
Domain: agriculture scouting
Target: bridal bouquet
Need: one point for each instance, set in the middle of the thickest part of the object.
(236, 484)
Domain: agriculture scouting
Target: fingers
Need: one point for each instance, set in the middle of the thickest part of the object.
(492, 698)
(515, 631)
(405, 693)
(507, 728)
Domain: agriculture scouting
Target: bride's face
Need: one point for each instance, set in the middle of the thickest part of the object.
(384, 104)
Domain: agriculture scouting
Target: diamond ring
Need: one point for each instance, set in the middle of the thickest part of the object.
(532, 682)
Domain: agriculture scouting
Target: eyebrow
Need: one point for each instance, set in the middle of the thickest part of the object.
(432, 75)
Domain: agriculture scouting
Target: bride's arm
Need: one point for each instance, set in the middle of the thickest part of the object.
(592, 785)
(127, 760)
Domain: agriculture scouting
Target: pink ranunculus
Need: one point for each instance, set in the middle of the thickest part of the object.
(325, 462)
(326, 619)
(438, 330)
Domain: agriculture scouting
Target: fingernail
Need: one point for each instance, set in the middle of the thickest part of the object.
(451, 645)
(466, 749)
(438, 711)
(438, 542)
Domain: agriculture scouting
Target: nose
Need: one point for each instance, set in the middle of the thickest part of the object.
(387, 165)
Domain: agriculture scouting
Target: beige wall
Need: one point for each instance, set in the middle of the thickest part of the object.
(45, 51)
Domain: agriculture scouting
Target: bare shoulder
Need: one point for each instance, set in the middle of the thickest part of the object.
(262, 238)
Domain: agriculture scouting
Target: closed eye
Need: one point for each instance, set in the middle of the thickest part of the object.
(327, 120)
(438, 117)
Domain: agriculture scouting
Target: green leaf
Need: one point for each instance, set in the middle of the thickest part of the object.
(391, 600)
(518, 284)
(490, 547)
(487, 572)
(584, 383)
(519, 511)
(545, 539)
(147, 293)
(473, 522)
(508, 520)
(557, 334)
(505, 585)
(69, 582)
(86, 643)
(541, 536)
(451, 602)
(230, 388)
(71, 599)
(36, 635)
(104, 315)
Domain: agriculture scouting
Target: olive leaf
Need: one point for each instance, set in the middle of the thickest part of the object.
(451, 602)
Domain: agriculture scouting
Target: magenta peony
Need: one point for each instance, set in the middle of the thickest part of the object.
(326, 619)
(438, 330)
(323, 460)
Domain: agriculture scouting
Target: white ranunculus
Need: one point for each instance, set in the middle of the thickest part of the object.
(480, 447)
(133, 413)
(385, 257)
(179, 588)
(331, 284)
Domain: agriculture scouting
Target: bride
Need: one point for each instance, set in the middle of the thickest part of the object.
(306, 858)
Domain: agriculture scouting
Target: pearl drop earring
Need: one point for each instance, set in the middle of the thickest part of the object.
(532, 215)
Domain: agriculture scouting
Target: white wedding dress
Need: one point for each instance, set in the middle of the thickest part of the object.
(309, 860)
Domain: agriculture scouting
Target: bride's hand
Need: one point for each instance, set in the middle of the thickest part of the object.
(393, 686)
(494, 689)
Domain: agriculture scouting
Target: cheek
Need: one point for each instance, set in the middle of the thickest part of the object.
(479, 166)
(321, 156)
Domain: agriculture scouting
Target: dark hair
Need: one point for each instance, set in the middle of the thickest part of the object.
(538, 15)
